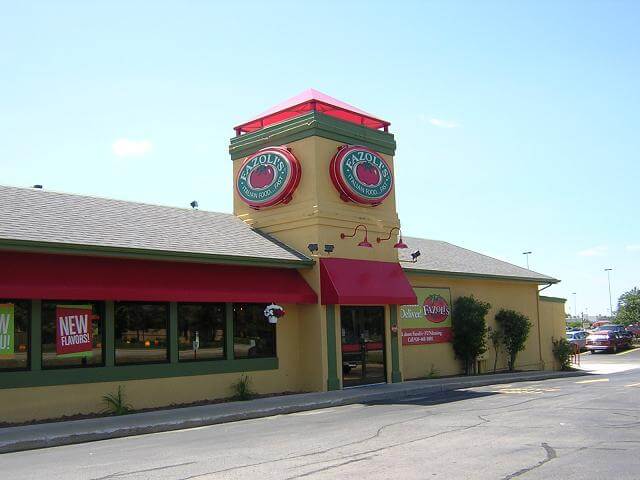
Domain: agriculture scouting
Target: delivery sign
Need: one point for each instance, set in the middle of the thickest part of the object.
(6, 328)
(430, 320)
(74, 332)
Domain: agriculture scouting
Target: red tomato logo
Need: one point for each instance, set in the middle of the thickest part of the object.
(436, 308)
(262, 176)
(368, 173)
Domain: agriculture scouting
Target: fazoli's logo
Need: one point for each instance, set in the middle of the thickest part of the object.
(361, 175)
(436, 309)
(268, 177)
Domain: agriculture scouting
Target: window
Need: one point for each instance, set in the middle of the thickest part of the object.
(253, 335)
(141, 332)
(201, 331)
(15, 318)
(72, 334)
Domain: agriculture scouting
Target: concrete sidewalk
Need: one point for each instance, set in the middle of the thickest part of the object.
(14, 439)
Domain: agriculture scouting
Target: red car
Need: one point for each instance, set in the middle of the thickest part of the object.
(607, 340)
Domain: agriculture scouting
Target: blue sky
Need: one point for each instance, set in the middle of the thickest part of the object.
(516, 122)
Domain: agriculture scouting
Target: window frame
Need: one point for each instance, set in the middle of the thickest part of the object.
(29, 334)
(169, 337)
(103, 340)
(224, 357)
(274, 326)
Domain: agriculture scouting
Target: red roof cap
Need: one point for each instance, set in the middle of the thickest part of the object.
(312, 100)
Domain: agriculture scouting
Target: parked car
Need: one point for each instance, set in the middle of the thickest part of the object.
(634, 329)
(579, 339)
(606, 341)
(620, 330)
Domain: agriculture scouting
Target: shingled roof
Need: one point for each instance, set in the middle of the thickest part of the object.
(41, 217)
(442, 257)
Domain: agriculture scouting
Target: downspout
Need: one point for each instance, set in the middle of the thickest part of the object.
(539, 331)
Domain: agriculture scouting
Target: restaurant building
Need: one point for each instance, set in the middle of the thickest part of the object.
(174, 304)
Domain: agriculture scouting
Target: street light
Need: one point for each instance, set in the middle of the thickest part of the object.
(526, 254)
(608, 270)
(575, 308)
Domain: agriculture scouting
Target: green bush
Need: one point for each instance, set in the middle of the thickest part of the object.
(469, 330)
(242, 389)
(562, 350)
(515, 329)
(116, 403)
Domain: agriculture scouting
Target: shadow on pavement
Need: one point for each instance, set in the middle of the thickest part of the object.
(435, 398)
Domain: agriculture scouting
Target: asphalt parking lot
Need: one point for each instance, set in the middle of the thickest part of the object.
(569, 428)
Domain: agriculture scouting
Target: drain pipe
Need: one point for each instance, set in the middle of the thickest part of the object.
(539, 331)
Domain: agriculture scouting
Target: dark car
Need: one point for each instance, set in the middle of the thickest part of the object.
(620, 330)
(606, 341)
(634, 329)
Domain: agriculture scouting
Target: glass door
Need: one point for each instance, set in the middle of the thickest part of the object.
(363, 353)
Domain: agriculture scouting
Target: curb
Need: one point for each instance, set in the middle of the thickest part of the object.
(29, 437)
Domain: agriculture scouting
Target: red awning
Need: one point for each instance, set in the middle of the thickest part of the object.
(362, 282)
(74, 277)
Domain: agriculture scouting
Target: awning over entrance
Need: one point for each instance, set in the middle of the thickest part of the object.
(362, 282)
(69, 277)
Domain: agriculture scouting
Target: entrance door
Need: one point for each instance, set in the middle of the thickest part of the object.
(363, 358)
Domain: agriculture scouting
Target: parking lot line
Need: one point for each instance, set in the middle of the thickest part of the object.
(628, 351)
(594, 381)
(633, 385)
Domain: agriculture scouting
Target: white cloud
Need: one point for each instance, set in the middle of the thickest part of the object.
(123, 147)
(438, 122)
(598, 251)
(633, 248)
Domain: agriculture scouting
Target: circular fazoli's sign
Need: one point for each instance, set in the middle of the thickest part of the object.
(268, 177)
(361, 175)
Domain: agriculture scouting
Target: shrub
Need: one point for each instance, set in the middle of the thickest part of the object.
(116, 403)
(515, 329)
(242, 389)
(469, 330)
(562, 350)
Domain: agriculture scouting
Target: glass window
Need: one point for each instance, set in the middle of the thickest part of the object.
(253, 335)
(72, 334)
(141, 332)
(201, 331)
(15, 318)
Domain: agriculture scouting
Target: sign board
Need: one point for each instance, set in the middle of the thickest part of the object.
(361, 175)
(74, 330)
(268, 177)
(7, 331)
(429, 321)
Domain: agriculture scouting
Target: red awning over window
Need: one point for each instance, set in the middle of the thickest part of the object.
(362, 282)
(69, 277)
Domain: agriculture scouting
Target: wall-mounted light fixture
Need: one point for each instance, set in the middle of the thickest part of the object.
(313, 247)
(399, 243)
(364, 243)
(328, 247)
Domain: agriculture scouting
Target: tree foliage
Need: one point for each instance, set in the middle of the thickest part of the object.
(629, 307)
(515, 329)
(469, 330)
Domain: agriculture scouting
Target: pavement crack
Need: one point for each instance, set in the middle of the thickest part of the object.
(550, 455)
(330, 467)
(133, 472)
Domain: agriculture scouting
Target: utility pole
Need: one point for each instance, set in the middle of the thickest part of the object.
(608, 270)
(526, 254)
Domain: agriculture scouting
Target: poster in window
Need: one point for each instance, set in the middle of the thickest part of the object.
(74, 331)
(7, 332)
(429, 321)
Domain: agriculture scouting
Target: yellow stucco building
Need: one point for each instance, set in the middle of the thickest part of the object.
(308, 286)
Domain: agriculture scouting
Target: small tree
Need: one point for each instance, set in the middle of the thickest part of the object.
(469, 330)
(629, 307)
(515, 329)
(562, 350)
(495, 335)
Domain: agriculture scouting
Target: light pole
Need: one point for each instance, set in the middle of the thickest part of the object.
(575, 309)
(608, 270)
(526, 254)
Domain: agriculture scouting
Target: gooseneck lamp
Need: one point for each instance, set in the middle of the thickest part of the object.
(364, 243)
(399, 244)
